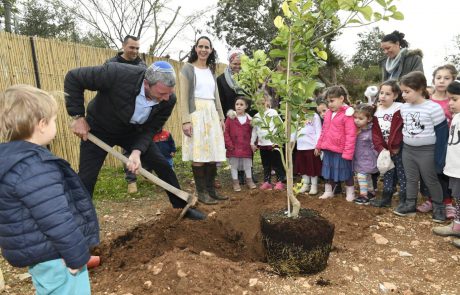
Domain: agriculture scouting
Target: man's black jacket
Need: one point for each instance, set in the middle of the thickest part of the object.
(110, 111)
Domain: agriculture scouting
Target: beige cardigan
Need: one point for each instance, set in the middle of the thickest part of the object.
(187, 89)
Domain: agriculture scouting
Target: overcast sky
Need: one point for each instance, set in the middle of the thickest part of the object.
(429, 25)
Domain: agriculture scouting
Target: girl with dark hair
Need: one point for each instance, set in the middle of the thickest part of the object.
(202, 119)
(389, 127)
(337, 142)
(365, 156)
(400, 61)
(423, 120)
(452, 168)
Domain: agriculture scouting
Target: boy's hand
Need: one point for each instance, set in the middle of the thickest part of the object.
(134, 161)
(254, 148)
(394, 152)
(80, 128)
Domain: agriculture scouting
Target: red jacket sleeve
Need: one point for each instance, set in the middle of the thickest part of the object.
(377, 136)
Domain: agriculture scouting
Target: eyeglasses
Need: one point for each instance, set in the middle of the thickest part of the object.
(203, 46)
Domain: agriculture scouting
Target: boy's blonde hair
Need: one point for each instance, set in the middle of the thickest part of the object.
(21, 109)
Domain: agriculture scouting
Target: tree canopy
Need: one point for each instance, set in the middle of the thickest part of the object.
(368, 52)
(246, 24)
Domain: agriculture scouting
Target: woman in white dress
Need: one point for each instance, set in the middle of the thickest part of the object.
(202, 119)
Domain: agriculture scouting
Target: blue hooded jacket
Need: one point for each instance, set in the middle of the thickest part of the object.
(45, 211)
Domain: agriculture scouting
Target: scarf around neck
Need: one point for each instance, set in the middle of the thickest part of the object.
(392, 66)
(232, 83)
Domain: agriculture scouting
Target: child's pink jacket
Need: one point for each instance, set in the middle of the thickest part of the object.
(339, 134)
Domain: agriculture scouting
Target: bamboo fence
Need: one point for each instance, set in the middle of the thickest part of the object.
(53, 60)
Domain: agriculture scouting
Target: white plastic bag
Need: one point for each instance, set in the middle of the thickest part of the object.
(384, 162)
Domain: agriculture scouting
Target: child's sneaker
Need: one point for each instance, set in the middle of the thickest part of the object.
(266, 186)
(404, 210)
(425, 207)
(327, 192)
(446, 231)
(313, 189)
(450, 211)
(279, 186)
(236, 185)
(362, 201)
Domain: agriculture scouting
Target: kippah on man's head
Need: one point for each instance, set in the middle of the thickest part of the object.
(162, 66)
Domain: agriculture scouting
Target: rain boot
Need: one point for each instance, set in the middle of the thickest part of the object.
(210, 176)
(314, 186)
(200, 184)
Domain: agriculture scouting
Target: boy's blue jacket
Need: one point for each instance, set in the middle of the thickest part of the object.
(45, 211)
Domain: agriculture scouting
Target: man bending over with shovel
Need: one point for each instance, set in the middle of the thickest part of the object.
(131, 105)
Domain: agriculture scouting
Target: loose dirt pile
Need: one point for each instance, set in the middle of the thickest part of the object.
(373, 251)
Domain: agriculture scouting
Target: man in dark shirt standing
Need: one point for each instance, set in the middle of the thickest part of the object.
(130, 53)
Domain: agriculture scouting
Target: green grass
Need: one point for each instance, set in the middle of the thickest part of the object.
(111, 184)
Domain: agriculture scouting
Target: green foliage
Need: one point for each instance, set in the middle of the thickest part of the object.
(47, 19)
(368, 51)
(247, 24)
(454, 56)
(357, 79)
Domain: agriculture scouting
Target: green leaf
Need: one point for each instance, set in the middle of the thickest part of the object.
(279, 22)
(346, 4)
(398, 15)
(366, 11)
(355, 21)
(274, 53)
(322, 54)
(382, 3)
(393, 8)
(377, 16)
(286, 10)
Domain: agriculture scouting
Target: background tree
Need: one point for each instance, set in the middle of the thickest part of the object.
(454, 57)
(368, 51)
(112, 20)
(246, 24)
(47, 19)
(7, 8)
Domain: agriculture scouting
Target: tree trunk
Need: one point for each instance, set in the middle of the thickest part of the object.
(7, 5)
(297, 246)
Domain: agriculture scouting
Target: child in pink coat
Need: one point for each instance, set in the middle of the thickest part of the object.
(337, 142)
(237, 136)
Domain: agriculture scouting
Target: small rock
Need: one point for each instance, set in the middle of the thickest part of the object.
(355, 269)
(181, 273)
(158, 212)
(429, 278)
(125, 215)
(156, 269)
(212, 214)
(432, 260)
(379, 239)
(386, 224)
(23, 276)
(148, 284)
(415, 243)
(306, 285)
(400, 227)
(394, 250)
(253, 282)
(206, 253)
(404, 254)
(426, 223)
(2, 281)
(455, 257)
(287, 288)
(379, 259)
(437, 287)
(386, 287)
(349, 278)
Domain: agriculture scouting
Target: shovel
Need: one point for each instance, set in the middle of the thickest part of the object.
(190, 199)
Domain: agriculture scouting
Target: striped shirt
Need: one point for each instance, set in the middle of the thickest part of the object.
(419, 121)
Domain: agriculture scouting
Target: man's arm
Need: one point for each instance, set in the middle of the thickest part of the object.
(78, 80)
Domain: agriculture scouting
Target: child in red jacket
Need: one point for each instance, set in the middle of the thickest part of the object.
(387, 129)
(238, 142)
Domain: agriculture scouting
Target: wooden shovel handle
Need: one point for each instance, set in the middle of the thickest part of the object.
(180, 193)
